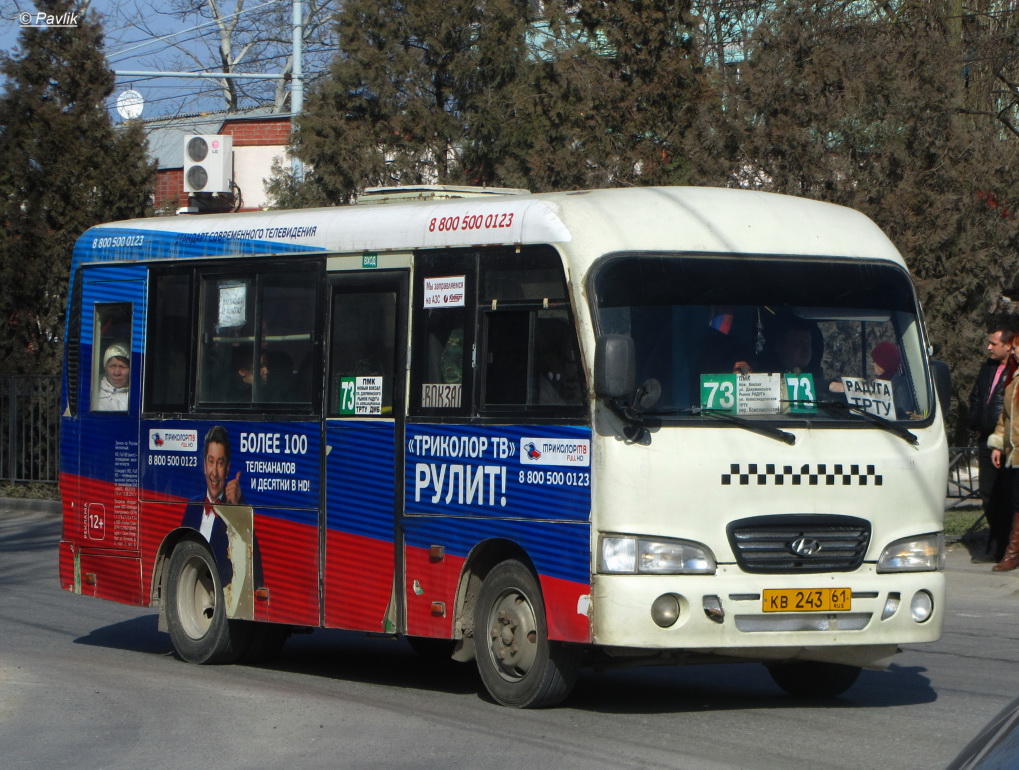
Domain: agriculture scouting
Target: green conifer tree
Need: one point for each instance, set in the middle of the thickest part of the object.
(416, 95)
(65, 168)
(556, 95)
(619, 95)
(875, 106)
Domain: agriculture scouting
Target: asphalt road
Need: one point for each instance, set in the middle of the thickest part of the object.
(89, 683)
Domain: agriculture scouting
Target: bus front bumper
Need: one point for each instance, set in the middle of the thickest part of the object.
(770, 616)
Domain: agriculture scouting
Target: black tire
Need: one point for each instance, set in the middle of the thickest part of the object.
(199, 628)
(813, 679)
(519, 666)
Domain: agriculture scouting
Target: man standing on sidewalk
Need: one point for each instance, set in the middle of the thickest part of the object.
(985, 401)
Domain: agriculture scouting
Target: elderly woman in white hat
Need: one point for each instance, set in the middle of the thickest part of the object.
(115, 383)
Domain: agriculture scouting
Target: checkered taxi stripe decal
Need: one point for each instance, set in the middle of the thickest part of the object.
(823, 474)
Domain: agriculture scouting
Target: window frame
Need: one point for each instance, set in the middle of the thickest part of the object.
(259, 273)
(101, 312)
(477, 265)
(367, 284)
(437, 263)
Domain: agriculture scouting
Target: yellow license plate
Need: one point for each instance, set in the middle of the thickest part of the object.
(807, 600)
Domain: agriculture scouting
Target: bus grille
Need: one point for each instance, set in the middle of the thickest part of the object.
(799, 544)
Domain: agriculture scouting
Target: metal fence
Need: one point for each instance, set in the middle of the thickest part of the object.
(29, 428)
(963, 477)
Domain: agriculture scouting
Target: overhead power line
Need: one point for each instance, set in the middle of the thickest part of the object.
(211, 22)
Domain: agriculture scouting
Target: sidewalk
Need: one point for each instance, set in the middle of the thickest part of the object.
(965, 579)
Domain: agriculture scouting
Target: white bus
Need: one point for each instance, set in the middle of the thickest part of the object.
(642, 426)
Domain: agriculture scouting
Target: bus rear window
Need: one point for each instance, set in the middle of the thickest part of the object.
(111, 357)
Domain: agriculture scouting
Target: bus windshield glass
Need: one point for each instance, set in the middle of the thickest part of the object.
(768, 338)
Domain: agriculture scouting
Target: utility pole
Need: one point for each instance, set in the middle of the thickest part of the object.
(297, 83)
(296, 78)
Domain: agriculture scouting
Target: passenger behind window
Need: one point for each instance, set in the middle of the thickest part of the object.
(244, 386)
(115, 382)
(451, 358)
(792, 346)
(887, 363)
(887, 366)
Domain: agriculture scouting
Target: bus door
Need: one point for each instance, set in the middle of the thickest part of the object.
(107, 398)
(364, 415)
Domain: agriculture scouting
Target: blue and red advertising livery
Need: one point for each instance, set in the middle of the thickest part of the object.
(510, 425)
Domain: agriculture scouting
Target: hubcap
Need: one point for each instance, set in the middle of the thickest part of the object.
(513, 634)
(196, 598)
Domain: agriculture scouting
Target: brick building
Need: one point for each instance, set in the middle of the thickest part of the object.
(259, 137)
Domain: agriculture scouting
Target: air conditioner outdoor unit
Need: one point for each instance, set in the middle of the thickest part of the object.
(208, 163)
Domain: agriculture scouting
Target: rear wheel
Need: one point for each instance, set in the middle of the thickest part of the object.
(518, 664)
(813, 679)
(195, 612)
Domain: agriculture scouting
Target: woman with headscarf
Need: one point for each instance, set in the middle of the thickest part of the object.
(887, 359)
(115, 384)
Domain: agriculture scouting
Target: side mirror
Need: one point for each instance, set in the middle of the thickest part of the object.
(615, 366)
(942, 384)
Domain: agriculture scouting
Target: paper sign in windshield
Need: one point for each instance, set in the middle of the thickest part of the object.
(764, 393)
(874, 396)
(742, 393)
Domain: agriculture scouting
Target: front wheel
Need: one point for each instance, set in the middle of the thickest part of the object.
(518, 664)
(813, 679)
(195, 612)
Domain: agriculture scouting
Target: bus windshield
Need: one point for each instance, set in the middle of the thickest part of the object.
(768, 338)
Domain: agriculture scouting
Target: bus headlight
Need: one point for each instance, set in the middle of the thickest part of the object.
(923, 553)
(622, 554)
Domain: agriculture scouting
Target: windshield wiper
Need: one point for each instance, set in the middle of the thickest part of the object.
(904, 433)
(756, 427)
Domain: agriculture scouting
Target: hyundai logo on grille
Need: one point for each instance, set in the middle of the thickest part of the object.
(805, 546)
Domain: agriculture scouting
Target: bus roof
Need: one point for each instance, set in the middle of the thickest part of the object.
(584, 224)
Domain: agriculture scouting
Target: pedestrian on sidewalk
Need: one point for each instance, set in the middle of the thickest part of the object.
(1004, 444)
(985, 402)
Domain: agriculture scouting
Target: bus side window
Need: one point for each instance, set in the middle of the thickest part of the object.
(531, 359)
(556, 361)
(507, 339)
(531, 356)
(287, 311)
(111, 357)
(168, 350)
(363, 336)
(443, 334)
(226, 346)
